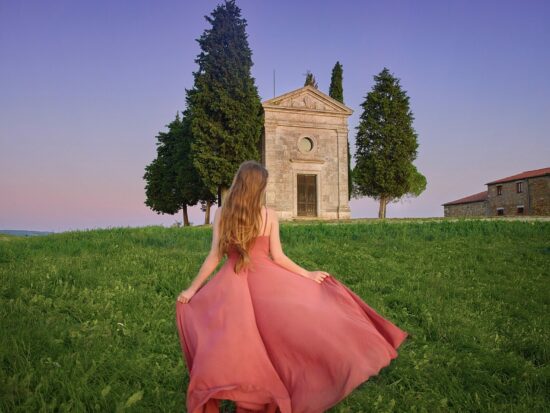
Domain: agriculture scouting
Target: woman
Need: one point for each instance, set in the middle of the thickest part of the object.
(265, 332)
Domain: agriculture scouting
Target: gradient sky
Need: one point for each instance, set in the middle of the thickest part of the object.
(86, 87)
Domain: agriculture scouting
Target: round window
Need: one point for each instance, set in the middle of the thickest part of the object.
(305, 144)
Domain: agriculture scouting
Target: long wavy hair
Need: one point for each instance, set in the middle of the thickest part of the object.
(241, 218)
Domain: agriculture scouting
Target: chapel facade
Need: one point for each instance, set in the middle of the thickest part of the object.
(304, 148)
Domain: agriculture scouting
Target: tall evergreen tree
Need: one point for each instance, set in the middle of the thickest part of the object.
(336, 91)
(163, 191)
(386, 145)
(310, 80)
(189, 181)
(225, 108)
(172, 181)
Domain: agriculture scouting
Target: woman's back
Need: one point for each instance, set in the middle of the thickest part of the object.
(260, 247)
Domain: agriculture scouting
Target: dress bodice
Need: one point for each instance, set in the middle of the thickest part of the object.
(260, 248)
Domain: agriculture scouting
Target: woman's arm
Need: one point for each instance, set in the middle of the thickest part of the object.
(277, 251)
(212, 259)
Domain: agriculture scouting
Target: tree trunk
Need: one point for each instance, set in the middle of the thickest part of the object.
(382, 208)
(185, 217)
(207, 213)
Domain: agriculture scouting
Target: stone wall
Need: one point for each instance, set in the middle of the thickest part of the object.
(535, 197)
(539, 195)
(470, 209)
(509, 200)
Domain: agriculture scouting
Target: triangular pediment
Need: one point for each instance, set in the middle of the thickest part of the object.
(308, 99)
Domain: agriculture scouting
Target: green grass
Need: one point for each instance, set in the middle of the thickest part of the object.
(87, 317)
(7, 237)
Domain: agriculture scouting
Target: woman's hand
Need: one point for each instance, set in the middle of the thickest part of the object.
(317, 276)
(186, 295)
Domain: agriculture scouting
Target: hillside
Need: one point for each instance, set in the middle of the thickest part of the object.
(87, 317)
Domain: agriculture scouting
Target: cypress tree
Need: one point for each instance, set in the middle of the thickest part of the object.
(163, 191)
(310, 80)
(189, 181)
(225, 108)
(386, 145)
(172, 181)
(336, 91)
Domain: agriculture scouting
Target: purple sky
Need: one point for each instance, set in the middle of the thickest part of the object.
(86, 86)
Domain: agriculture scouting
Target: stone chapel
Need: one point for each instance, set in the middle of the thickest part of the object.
(304, 148)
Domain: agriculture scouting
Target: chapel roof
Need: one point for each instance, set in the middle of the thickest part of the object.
(309, 99)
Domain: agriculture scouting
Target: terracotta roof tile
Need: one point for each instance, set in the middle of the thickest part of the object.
(480, 196)
(523, 175)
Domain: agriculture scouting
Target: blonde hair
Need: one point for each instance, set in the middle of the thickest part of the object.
(240, 220)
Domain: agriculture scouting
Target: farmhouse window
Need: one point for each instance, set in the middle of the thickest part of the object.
(499, 189)
(520, 209)
(500, 211)
(519, 187)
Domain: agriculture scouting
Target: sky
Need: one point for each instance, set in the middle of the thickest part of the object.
(87, 86)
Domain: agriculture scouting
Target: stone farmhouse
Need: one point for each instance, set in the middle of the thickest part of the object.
(304, 148)
(526, 193)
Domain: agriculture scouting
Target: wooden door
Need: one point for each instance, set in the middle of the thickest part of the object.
(307, 195)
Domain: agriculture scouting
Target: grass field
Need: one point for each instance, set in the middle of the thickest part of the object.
(87, 317)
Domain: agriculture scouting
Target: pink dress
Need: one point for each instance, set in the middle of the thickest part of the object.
(276, 342)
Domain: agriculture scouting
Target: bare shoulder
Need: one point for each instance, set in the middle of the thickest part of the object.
(272, 217)
(217, 216)
(272, 213)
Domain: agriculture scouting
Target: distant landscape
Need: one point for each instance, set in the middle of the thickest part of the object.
(29, 233)
(24, 233)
